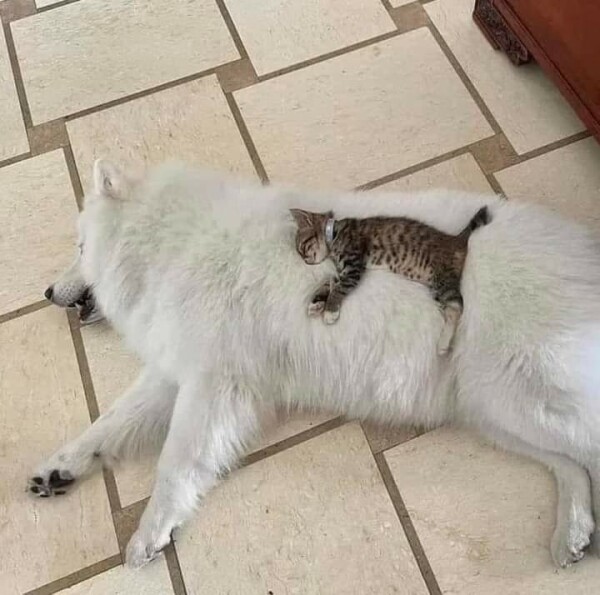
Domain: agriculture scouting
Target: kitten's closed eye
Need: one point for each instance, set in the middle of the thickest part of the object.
(305, 245)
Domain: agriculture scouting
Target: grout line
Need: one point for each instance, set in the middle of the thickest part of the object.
(77, 577)
(84, 369)
(250, 146)
(334, 54)
(559, 144)
(15, 10)
(57, 5)
(15, 159)
(465, 79)
(491, 180)
(29, 309)
(407, 525)
(174, 568)
(237, 40)
(392, 177)
(92, 403)
(144, 93)
(371, 432)
(47, 137)
(409, 16)
(111, 490)
(74, 175)
(273, 449)
(235, 76)
(17, 77)
(413, 169)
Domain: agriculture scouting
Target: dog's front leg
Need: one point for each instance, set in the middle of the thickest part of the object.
(213, 421)
(140, 417)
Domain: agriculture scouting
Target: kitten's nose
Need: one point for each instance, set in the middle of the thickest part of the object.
(48, 293)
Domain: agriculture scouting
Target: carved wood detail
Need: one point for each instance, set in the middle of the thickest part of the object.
(498, 33)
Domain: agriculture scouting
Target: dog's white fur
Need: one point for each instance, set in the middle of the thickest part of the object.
(200, 275)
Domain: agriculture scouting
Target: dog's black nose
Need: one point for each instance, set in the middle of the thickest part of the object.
(48, 293)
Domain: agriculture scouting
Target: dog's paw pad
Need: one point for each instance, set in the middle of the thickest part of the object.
(51, 484)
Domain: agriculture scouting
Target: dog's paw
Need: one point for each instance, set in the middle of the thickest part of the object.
(315, 309)
(52, 483)
(141, 549)
(569, 544)
(331, 316)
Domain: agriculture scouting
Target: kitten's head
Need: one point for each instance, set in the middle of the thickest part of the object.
(310, 238)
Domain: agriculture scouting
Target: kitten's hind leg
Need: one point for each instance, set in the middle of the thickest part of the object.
(451, 312)
(446, 292)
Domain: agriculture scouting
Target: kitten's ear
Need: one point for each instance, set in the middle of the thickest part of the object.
(302, 218)
(109, 180)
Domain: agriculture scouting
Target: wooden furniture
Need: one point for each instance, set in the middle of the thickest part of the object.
(563, 36)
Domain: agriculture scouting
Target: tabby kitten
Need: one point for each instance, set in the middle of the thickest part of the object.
(397, 244)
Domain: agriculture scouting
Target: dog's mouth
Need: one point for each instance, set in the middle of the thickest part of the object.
(86, 307)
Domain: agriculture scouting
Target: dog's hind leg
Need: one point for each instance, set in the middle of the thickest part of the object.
(574, 520)
(135, 421)
(213, 422)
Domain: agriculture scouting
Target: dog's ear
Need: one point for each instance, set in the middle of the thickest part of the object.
(109, 180)
(303, 218)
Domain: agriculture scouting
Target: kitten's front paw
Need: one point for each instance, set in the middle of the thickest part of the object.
(315, 309)
(331, 316)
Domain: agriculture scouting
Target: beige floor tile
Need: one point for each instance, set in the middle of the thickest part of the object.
(313, 519)
(527, 105)
(360, 116)
(38, 239)
(279, 33)
(43, 406)
(484, 517)
(566, 180)
(153, 580)
(91, 52)
(113, 369)
(460, 173)
(13, 139)
(190, 122)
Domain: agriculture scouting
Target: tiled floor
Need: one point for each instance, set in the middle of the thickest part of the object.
(392, 93)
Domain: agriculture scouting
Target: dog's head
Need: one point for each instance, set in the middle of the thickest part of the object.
(75, 287)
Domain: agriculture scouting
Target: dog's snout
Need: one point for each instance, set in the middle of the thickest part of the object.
(49, 292)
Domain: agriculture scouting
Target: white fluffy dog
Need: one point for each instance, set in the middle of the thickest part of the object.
(200, 276)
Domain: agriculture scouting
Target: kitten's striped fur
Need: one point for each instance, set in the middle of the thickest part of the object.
(400, 245)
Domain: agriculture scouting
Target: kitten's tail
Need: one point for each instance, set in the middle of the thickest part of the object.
(481, 218)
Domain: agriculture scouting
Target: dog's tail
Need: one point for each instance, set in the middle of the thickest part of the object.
(481, 218)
